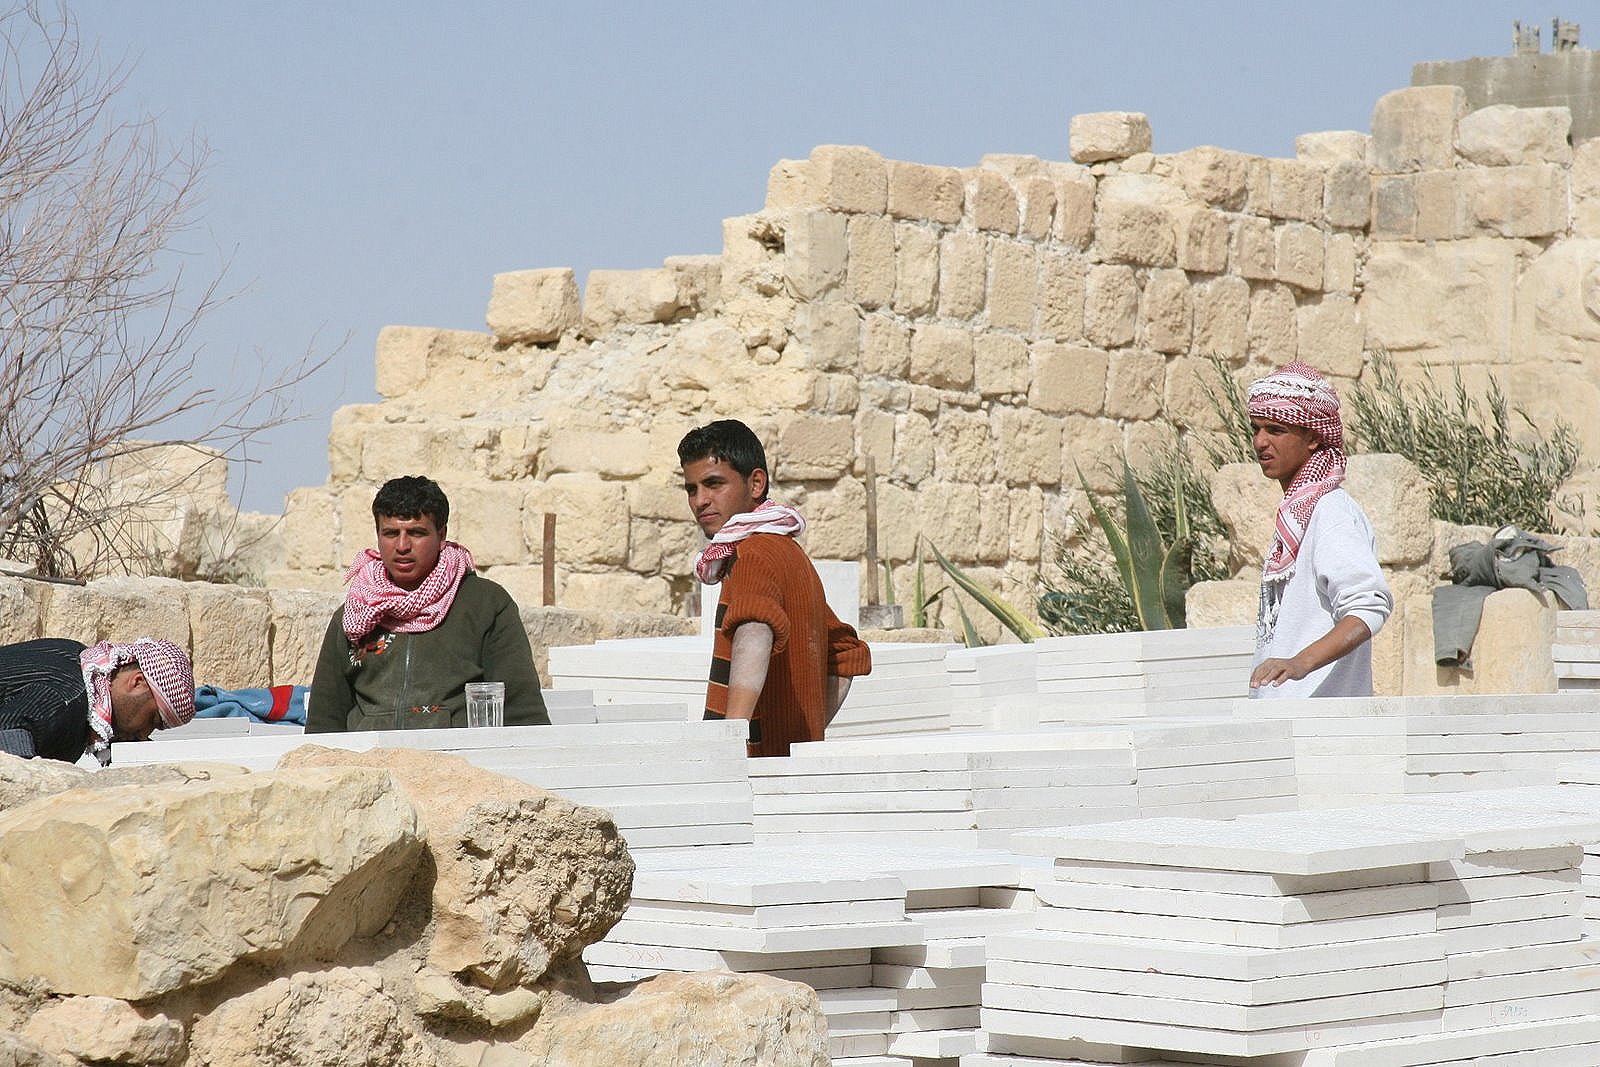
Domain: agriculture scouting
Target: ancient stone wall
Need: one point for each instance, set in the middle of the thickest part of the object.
(984, 332)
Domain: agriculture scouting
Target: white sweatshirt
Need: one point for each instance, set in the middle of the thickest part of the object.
(1336, 575)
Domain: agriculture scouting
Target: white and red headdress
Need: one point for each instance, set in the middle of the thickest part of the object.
(1298, 395)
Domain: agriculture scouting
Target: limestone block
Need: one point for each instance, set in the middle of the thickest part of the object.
(1512, 652)
(344, 450)
(1394, 205)
(1062, 284)
(712, 1019)
(1104, 135)
(870, 273)
(1134, 383)
(524, 879)
(1255, 250)
(1529, 201)
(816, 252)
(1166, 311)
(1451, 298)
(1013, 285)
(941, 356)
(789, 185)
(401, 360)
(1395, 496)
(849, 178)
(1110, 305)
(1026, 511)
(814, 446)
(1330, 336)
(1000, 365)
(827, 335)
(898, 528)
(616, 591)
(1143, 442)
(390, 450)
(487, 518)
(885, 346)
(752, 265)
(1230, 603)
(1038, 195)
(1347, 194)
(991, 201)
(1299, 258)
(341, 1016)
(1068, 379)
(836, 521)
(913, 448)
(1074, 225)
(702, 355)
(1439, 196)
(1016, 166)
(1144, 234)
(1029, 447)
(300, 618)
(126, 608)
(874, 437)
(616, 453)
(994, 524)
(328, 857)
(921, 192)
(1505, 136)
(1190, 383)
(1221, 317)
(103, 1030)
(1296, 190)
(1388, 656)
(1272, 326)
(699, 280)
(1094, 449)
(1557, 316)
(1215, 176)
(963, 274)
(1339, 263)
(586, 509)
(355, 522)
(533, 306)
(947, 514)
(1246, 502)
(1332, 147)
(232, 648)
(1415, 128)
(1585, 187)
(21, 610)
(964, 449)
(23, 781)
(616, 297)
(916, 280)
(1202, 240)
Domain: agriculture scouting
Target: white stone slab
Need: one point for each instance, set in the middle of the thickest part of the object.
(657, 958)
(1510, 987)
(1512, 935)
(794, 939)
(866, 804)
(1468, 890)
(1284, 910)
(936, 1044)
(1154, 983)
(1524, 959)
(1499, 864)
(1510, 909)
(949, 954)
(1480, 828)
(1238, 934)
(769, 916)
(897, 976)
(1190, 879)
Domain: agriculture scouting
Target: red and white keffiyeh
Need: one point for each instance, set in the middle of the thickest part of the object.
(1298, 395)
(373, 600)
(711, 562)
(163, 664)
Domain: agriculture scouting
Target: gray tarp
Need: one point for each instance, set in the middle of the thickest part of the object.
(1511, 560)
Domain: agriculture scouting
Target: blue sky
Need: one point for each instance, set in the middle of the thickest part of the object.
(376, 163)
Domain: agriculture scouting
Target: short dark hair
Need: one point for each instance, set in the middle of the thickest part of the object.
(729, 440)
(412, 497)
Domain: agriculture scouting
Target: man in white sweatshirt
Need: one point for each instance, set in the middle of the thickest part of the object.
(1323, 596)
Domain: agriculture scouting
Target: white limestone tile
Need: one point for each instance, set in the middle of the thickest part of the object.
(1190, 879)
(1558, 746)
(657, 958)
(1029, 790)
(1055, 1050)
(1579, 772)
(1200, 773)
(1010, 820)
(1510, 987)
(899, 976)
(1513, 934)
(630, 782)
(857, 1001)
(943, 954)
(1572, 799)
(1523, 1009)
(1467, 890)
(792, 939)
(843, 977)
(759, 887)
(1070, 760)
(871, 1061)
(1304, 845)
(1236, 963)
(844, 823)
(866, 804)
(1281, 910)
(767, 917)
(629, 816)
(1586, 1055)
(1236, 934)
(1473, 1045)
(1498, 864)
(772, 784)
(1195, 1039)
(1480, 829)
(970, 922)
(1273, 748)
(1152, 796)
(1221, 809)
(862, 1047)
(936, 1044)
(819, 761)
(1510, 910)
(862, 1024)
(1155, 983)
(913, 1020)
(661, 837)
(1350, 731)
(1211, 1016)
(1003, 1059)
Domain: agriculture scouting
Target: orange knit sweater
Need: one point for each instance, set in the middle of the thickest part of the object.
(770, 580)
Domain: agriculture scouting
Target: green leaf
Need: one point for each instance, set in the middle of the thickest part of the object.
(888, 583)
(1114, 537)
(1147, 555)
(1012, 619)
(969, 632)
(919, 599)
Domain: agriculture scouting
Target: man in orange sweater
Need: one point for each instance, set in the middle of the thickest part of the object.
(781, 658)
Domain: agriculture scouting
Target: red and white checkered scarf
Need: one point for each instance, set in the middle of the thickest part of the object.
(1298, 395)
(163, 664)
(711, 562)
(373, 600)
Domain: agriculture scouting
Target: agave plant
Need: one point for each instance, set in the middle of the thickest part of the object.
(1012, 619)
(1155, 574)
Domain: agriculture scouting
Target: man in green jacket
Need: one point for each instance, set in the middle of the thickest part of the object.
(417, 625)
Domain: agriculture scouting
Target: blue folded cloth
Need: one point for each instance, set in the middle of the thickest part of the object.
(278, 704)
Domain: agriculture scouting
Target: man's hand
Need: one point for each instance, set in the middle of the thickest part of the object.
(747, 668)
(1347, 635)
(838, 689)
(1278, 671)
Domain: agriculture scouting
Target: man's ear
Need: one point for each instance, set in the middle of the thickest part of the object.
(758, 483)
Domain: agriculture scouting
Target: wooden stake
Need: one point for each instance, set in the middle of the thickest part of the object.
(872, 531)
(548, 556)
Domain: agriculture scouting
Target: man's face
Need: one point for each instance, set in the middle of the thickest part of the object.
(717, 492)
(409, 548)
(134, 712)
(1281, 450)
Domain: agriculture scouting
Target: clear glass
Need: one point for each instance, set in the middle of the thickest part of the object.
(486, 703)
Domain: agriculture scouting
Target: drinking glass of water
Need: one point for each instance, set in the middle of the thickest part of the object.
(486, 703)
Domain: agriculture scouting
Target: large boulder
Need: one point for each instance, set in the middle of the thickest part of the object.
(343, 1017)
(140, 890)
(709, 1019)
(18, 1051)
(24, 780)
(524, 878)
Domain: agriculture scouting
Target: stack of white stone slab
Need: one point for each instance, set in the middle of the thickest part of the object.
(1363, 750)
(1581, 781)
(667, 784)
(907, 692)
(1164, 672)
(1577, 650)
(577, 707)
(891, 938)
(990, 677)
(1396, 935)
